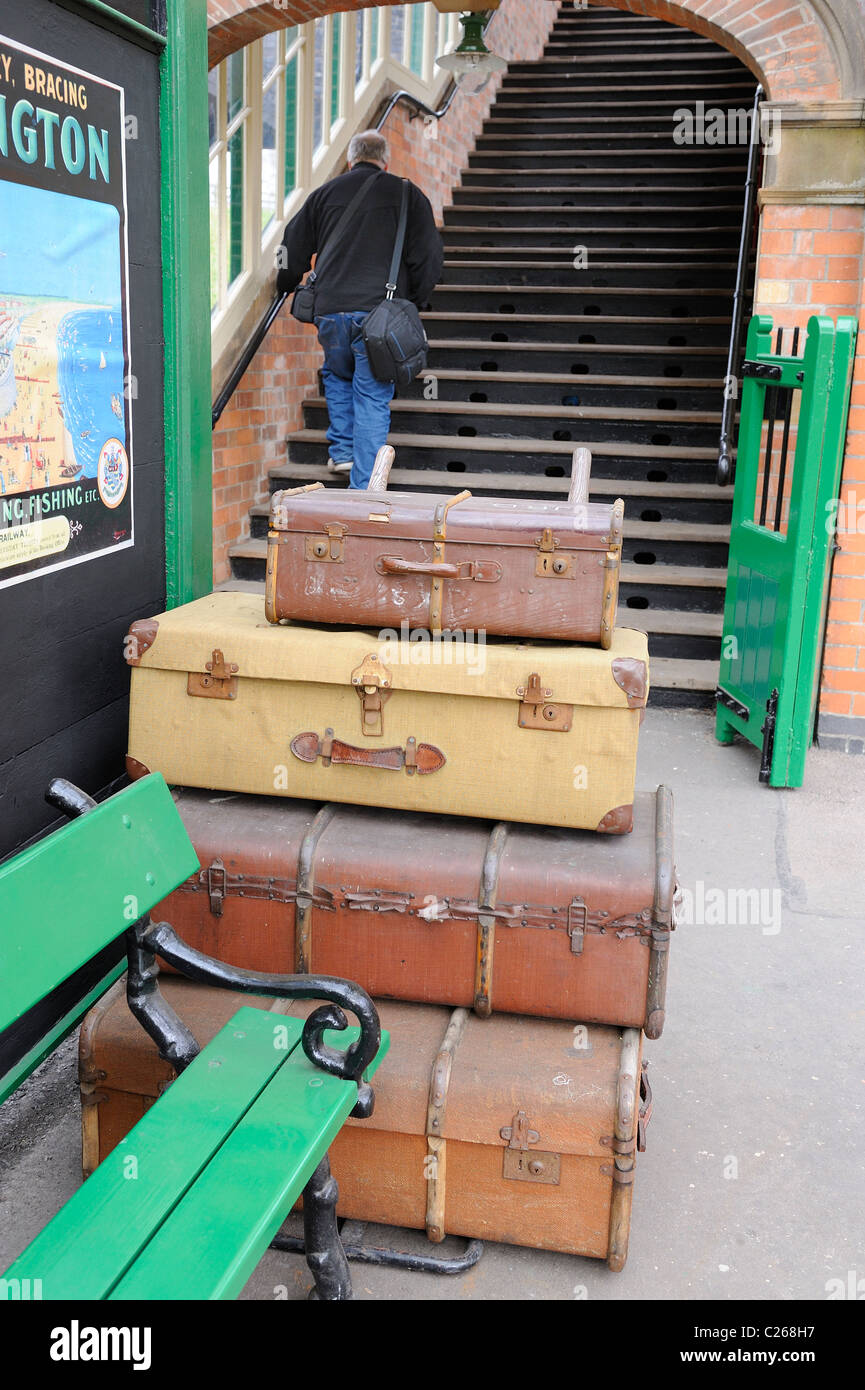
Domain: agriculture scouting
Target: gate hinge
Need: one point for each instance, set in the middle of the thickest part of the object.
(731, 703)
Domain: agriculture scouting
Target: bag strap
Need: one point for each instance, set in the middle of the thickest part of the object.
(341, 227)
(393, 273)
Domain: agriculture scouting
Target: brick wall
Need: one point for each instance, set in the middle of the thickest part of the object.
(250, 437)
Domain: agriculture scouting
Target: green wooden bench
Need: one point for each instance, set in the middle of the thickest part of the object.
(185, 1206)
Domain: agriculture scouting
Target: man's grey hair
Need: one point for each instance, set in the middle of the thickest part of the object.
(368, 145)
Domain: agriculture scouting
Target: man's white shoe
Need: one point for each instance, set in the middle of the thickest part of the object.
(339, 467)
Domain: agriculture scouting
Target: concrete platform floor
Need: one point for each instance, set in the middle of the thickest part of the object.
(752, 1185)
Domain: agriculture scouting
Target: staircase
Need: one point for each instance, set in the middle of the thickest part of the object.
(538, 345)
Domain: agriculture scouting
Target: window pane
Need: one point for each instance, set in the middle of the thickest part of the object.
(397, 31)
(214, 233)
(416, 50)
(335, 43)
(290, 36)
(235, 84)
(213, 104)
(318, 87)
(269, 53)
(268, 156)
(235, 204)
(373, 36)
(290, 125)
(358, 47)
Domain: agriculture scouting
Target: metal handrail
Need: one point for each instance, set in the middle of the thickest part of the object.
(255, 341)
(261, 332)
(724, 472)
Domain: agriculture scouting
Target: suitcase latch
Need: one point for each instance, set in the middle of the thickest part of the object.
(547, 562)
(220, 682)
(328, 547)
(372, 679)
(578, 918)
(521, 1166)
(537, 711)
(216, 885)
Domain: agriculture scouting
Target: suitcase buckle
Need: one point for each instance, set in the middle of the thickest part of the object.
(578, 921)
(219, 682)
(537, 710)
(521, 1166)
(328, 546)
(547, 562)
(216, 886)
(371, 680)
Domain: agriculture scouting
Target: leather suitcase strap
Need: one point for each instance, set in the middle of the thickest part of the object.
(486, 918)
(306, 889)
(435, 1166)
(422, 758)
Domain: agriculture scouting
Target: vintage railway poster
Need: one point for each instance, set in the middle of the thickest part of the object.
(65, 376)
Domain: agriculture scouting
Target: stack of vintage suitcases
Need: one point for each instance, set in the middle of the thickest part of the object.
(436, 801)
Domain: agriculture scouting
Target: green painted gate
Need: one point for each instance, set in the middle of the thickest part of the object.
(791, 446)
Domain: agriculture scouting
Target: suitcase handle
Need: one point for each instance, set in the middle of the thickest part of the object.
(381, 469)
(421, 758)
(483, 571)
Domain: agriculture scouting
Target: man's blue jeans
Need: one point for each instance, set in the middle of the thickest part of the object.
(357, 404)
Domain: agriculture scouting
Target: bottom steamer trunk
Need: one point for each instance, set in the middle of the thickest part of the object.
(507, 1129)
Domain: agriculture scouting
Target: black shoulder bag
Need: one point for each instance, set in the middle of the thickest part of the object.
(396, 344)
(303, 300)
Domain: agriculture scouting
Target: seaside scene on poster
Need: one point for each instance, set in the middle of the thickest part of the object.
(65, 455)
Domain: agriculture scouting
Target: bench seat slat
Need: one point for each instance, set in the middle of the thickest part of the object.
(215, 1237)
(66, 897)
(213, 1240)
(99, 1233)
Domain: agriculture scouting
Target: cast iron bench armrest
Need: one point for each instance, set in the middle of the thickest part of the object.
(241, 1105)
(176, 1044)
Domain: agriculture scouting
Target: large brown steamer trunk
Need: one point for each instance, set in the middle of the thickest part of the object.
(437, 909)
(455, 563)
(508, 1129)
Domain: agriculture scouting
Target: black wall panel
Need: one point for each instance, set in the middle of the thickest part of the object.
(63, 680)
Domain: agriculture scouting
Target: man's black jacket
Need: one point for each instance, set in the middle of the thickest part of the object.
(355, 278)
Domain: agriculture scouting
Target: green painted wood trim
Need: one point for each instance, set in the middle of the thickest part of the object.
(30, 1061)
(151, 38)
(186, 307)
(814, 609)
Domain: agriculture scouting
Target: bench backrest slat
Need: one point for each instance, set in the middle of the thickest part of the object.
(69, 895)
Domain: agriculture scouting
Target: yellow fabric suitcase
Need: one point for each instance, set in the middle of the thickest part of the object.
(538, 732)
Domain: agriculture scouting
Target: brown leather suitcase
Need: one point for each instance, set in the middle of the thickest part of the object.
(508, 1129)
(437, 909)
(424, 561)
